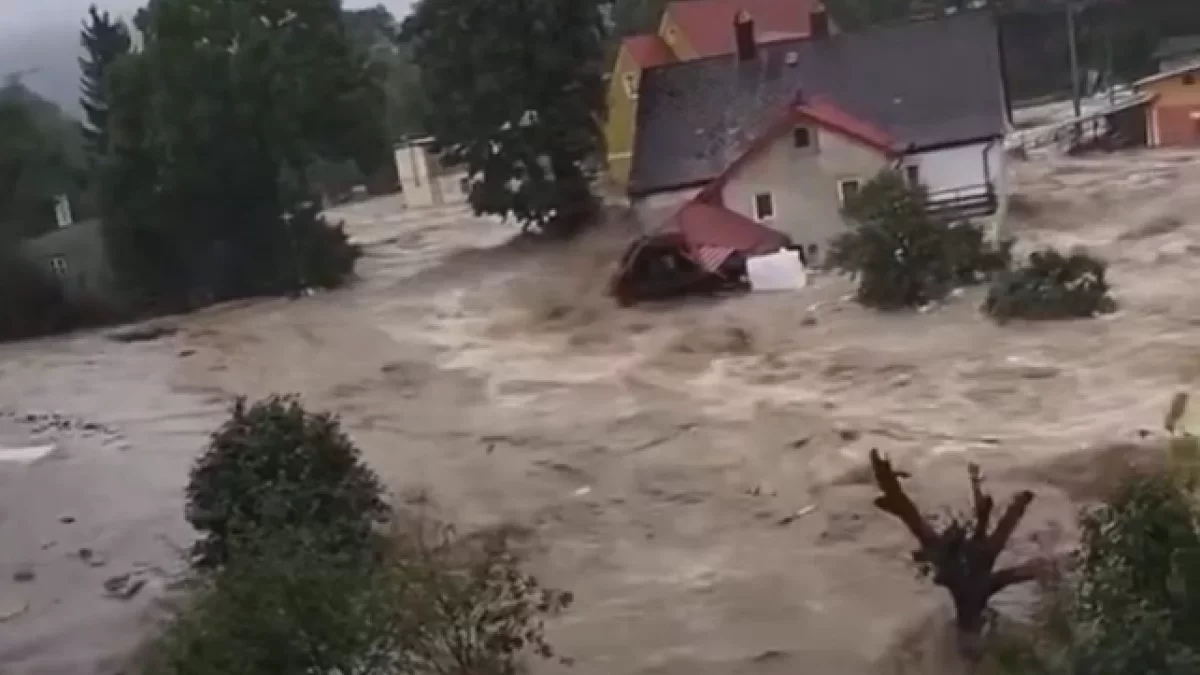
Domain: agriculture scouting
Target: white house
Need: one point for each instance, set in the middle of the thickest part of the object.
(783, 133)
(424, 180)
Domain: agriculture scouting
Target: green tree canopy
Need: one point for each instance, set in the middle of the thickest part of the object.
(213, 126)
(516, 93)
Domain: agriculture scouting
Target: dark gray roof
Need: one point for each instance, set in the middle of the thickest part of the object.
(924, 83)
(1179, 45)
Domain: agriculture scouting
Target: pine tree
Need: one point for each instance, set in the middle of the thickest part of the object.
(105, 39)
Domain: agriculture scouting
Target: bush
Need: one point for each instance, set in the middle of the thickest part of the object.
(1136, 605)
(325, 252)
(1051, 286)
(904, 257)
(291, 602)
(273, 466)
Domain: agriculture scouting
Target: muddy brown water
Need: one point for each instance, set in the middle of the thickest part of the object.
(660, 456)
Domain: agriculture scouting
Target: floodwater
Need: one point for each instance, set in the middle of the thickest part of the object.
(693, 472)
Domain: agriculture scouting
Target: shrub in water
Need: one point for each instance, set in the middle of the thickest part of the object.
(274, 466)
(1051, 286)
(904, 257)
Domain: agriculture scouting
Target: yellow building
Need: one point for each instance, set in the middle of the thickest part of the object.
(691, 29)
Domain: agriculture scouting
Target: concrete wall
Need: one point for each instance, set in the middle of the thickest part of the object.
(80, 247)
(424, 181)
(804, 184)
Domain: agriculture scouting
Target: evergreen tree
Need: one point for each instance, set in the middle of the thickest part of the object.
(214, 124)
(104, 39)
(516, 93)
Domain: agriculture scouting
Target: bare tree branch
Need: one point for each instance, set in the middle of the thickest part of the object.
(962, 555)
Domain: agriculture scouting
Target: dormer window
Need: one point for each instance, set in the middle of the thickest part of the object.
(630, 81)
(802, 137)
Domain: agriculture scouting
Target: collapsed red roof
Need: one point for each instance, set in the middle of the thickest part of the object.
(706, 225)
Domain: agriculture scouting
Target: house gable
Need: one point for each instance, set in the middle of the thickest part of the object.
(937, 83)
(792, 177)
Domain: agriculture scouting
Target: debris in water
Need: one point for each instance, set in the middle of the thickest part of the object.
(788, 520)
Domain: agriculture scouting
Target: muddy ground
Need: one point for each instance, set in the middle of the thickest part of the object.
(656, 458)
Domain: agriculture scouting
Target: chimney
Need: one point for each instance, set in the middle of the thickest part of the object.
(818, 22)
(743, 35)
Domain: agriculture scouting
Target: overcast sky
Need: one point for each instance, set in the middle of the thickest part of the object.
(23, 15)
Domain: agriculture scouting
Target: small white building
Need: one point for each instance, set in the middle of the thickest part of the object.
(424, 181)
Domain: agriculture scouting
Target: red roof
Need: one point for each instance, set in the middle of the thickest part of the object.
(648, 50)
(830, 116)
(703, 224)
(707, 25)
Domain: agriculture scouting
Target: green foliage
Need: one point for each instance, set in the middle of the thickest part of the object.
(516, 93)
(38, 161)
(1137, 598)
(274, 466)
(104, 40)
(1051, 286)
(289, 601)
(902, 256)
(374, 33)
(292, 601)
(213, 127)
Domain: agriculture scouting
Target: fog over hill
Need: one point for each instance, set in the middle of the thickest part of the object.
(41, 41)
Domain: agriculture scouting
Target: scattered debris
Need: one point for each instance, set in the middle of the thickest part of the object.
(66, 519)
(92, 558)
(123, 586)
(788, 520)
(26, 455)
(184, 353)
(143, 333)
(24, 574)
(11, 608)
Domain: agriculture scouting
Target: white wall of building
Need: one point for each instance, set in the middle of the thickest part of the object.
(962, 168)
(804, 184)
(424, 182)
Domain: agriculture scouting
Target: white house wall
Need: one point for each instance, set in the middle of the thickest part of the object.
(961, 169)
(803, 183)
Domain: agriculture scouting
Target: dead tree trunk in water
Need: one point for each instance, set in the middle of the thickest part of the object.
(962, 556)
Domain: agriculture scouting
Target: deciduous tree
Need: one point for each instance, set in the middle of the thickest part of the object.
(516, 93)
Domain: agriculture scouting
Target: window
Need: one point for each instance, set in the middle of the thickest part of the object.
(848, 188)
(58, 265)
(913, 174)
(464, 185)
(1189, 78)
(671, 36)
(764, 206)
(801, 137)
(630, 80)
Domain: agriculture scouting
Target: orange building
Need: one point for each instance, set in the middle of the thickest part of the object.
(1173, 113)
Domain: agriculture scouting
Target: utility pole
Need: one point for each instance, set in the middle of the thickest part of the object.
(1071, 44)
